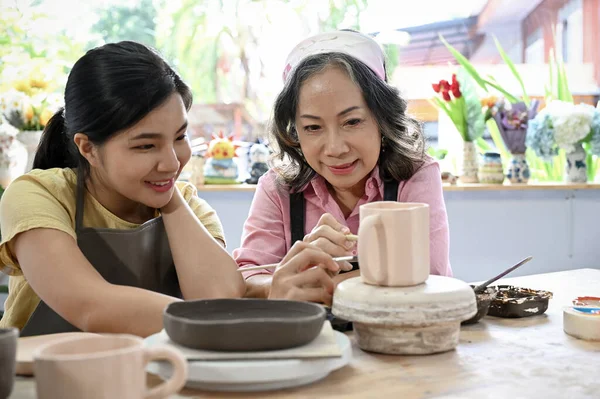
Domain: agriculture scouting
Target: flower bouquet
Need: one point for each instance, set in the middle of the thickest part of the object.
(564, 125)
(459, 101)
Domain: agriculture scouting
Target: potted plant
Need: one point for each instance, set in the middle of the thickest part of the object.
(458, 99)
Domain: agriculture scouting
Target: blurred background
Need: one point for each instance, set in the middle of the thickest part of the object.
(231, 52)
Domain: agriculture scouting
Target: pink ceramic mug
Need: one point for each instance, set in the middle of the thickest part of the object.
(103, 367)
(393, 243)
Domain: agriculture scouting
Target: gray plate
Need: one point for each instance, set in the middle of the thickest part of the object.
(243, 324)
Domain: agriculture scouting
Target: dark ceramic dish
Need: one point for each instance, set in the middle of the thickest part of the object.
(515, 302)
(484, 300)
(243, 324)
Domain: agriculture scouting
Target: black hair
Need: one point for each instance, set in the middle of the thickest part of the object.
(109, 89)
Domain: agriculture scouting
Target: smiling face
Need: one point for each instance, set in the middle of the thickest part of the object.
(141, 164)
(338, 134)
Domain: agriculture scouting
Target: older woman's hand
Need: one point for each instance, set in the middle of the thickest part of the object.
(305, 274)
(330, 236)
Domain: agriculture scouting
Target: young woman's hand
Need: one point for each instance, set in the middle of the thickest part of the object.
(176, 201)
(330, 236)
(305, 274)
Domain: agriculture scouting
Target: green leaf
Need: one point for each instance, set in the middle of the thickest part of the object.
(512, 99)
(550, 89)
(563, 84)
(465, 63)
(475, 122)
(440, 104)
(483, 145)
(497, 139)
(513, 69)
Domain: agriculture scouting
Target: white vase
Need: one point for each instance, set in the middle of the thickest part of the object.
(470, 165)
(31, 140)
(576, 168)
(13, 159)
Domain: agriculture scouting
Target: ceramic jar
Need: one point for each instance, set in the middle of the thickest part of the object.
(576, 167)
(470, 165)
(518, 169)
(491, 170)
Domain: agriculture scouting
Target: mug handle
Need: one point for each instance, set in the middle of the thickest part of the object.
(180, 371)
(367, 224)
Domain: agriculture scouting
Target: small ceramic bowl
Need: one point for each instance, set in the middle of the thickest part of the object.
(243, 324)
(516, 302)
(484, 300)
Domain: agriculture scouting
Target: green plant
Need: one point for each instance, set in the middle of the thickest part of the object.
(486, 83)
(458, 99)
(437, 153)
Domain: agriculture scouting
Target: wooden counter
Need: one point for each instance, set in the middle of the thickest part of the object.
(496, 358)
(447, 187)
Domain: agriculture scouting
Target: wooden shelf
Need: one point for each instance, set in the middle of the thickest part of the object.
(522, 187)
(447, 187)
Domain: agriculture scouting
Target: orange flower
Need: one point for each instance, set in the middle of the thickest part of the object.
(40, 83)
(45, 117)
(489, 102)
(28, 114)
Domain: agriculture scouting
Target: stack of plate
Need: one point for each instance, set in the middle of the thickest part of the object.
(245, 345)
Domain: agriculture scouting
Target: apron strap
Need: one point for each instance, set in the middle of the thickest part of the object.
(390, 190)
(297, 216)
(79, 204)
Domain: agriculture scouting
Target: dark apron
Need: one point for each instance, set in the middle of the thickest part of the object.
(139, 257)
(297, 211)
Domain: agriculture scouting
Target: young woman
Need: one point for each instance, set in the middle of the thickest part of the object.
(99, 236)
(345, 140)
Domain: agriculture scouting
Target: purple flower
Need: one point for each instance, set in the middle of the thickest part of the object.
(512, 124)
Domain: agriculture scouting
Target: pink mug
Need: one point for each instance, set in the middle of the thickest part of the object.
(104, 367)
(393, 243)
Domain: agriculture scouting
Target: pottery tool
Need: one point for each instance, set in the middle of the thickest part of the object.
(482, 287)
(274, 265)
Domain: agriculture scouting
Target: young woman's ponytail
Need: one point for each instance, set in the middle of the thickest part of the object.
(53, 150)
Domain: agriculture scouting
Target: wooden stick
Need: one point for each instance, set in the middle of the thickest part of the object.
(274, 265)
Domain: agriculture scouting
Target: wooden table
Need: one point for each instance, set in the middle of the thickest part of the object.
(496, 358)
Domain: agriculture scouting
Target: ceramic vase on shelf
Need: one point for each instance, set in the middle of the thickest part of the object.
(13, 159)
(470, 166)
(31, 140)
(576, 167)
(491, 170)
(518, 169)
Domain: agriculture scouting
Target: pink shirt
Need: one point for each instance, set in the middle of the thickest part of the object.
(267, 232)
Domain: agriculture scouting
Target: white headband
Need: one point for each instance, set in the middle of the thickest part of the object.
(354, 44)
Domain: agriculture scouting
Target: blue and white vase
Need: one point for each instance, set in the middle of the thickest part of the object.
(491, 170)
(576, 169)
(518, 169)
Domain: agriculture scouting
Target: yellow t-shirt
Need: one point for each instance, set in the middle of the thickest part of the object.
(46, 199)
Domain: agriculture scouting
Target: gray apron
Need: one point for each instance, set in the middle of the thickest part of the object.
(139, 257)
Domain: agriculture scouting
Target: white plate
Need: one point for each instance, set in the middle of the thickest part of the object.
(257, 375)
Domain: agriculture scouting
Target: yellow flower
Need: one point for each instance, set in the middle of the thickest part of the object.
(45, 117)
(23, 86)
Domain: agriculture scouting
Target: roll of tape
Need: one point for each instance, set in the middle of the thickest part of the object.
(581, 324)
